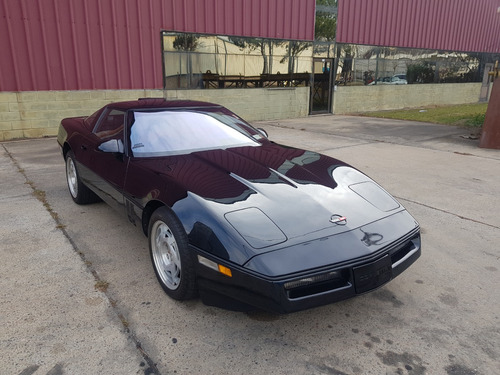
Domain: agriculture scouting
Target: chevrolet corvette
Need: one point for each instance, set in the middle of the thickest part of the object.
(231, 216)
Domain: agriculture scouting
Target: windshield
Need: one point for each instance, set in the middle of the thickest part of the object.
(181, 132)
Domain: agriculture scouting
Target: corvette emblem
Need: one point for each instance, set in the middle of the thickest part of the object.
(338, 219)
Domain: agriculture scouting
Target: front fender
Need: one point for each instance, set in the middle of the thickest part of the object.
(208, 230)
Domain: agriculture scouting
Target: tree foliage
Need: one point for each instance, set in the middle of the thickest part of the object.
(326, 22)
(422, 72)
(186, 42)
(293, 49)
(261, 45)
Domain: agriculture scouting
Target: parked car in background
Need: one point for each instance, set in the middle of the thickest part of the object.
(398, 79)
(233, 216)
(400, 76)
(381, 80)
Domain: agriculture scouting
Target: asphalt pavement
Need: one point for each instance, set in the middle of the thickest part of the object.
(78, 293)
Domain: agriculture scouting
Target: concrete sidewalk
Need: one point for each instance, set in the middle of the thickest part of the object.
(439, 317)
(52, 318)
(359, 130)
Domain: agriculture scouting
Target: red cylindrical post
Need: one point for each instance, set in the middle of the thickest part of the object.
(490, 136)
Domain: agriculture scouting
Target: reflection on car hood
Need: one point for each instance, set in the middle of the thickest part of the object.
(300, 195)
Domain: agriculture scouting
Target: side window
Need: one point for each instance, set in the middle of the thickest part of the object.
(111, 125)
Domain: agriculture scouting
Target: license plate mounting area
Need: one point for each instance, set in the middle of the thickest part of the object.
(372, 275)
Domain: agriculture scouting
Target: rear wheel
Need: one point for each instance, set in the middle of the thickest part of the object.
(172, 261)
(80, 193)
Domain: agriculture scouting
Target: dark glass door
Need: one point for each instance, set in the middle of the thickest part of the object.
(321, 87)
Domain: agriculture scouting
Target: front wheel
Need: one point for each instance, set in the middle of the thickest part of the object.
(172, 261)
(80, 193)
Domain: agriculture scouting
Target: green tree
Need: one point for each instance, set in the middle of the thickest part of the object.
(262, 45)
(186, 42)
(293, 49)
(326, 20)
(422, 72)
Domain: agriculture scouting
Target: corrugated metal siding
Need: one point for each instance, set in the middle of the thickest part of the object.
(454, 25)
(116, 44)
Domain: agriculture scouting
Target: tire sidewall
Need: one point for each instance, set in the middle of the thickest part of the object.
(187, 285)
(71, 156)
(83, 193)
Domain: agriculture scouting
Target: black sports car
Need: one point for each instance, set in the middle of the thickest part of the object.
(233, 216)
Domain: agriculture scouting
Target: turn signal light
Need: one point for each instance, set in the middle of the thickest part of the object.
(224, 270)
(215, 266)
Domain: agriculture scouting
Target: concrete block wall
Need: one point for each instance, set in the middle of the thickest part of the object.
(254, 104)
(356, 99)
(37, 114)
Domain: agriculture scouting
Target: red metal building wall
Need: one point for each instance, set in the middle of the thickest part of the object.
(454, 25)
(116, 44)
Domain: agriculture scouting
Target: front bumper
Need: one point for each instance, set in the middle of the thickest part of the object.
(309, 289)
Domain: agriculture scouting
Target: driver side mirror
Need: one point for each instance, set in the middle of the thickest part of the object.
(113, 146)
(263, 132)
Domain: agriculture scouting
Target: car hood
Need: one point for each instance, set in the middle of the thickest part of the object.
(271, 195)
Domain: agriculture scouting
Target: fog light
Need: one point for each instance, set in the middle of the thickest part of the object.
(313, 279)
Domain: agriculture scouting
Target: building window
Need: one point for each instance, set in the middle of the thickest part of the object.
(370, 65)
(192, 61)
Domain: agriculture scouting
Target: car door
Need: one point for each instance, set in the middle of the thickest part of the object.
(108, 161)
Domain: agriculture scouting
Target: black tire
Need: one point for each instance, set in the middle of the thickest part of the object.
(172, 260)
(80, 193)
